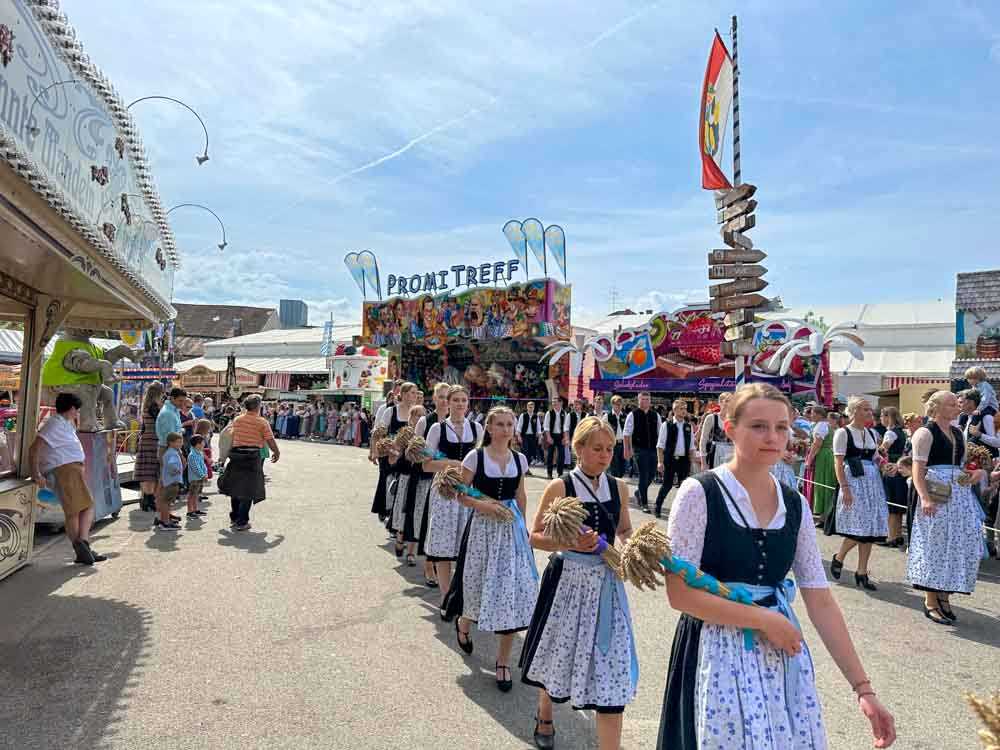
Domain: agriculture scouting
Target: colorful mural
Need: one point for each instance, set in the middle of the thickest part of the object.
(538, 308)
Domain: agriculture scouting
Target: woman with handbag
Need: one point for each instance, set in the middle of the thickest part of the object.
(947, 542)
(862, 514)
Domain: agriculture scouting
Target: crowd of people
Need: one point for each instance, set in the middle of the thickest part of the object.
(739, 521)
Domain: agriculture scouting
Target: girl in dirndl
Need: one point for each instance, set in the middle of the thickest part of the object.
(393, 417)
(415, 519)
(862, 513)
(399, 491)
(580, 647)
(896, 491)
(821, 476)
(447, 519)
(946, 544)
(496, 582)
(783, 471)
(740, 675)
(713, 444)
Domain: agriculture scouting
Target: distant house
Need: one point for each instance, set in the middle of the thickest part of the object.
(198, 324)
(977, 323)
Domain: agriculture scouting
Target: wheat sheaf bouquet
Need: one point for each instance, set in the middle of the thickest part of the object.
(449, 485)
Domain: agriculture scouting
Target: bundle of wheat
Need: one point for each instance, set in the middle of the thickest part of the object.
(416, 451)
(402, 439)
(382, 447)
(641, 556)
(988, 711)
(563, 522)
(449, 485)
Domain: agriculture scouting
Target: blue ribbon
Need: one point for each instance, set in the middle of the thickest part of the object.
(784, 594)
(612, 590)
(521, 542)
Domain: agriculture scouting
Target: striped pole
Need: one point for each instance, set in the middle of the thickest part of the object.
(737, 173)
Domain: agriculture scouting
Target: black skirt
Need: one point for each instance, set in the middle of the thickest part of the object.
(453, 600)
(896, 494)
(243, 476)
(378, 504)
(677, 719)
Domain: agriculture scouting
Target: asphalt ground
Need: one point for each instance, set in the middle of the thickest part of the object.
(306, 632)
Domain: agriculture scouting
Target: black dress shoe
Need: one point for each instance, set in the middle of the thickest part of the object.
(934, 615)
(836, 567)
(465, 645)
(544, 741)
(83, 554)
(98, 557)
(863, 582)
(504, 686)
(947, 611)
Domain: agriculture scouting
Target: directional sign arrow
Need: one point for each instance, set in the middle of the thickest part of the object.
(740, 286)
(729, 197)
(737, 209)
(738, 348)
(725, 304)
(741, 223)
(739, 317)
(740, 332)
(736, 272)
(736, 240)
(735, 255)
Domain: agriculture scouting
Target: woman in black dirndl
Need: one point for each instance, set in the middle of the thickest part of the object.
(417, 510)
(862, 515)
(378, 502)
(406, 477)
(495, 583)
(896, 492)
(579, 647)
(740, 675)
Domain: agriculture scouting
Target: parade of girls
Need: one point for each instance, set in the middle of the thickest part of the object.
(740, 673)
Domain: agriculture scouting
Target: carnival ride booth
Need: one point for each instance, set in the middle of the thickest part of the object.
(84, 246)
(490, 340)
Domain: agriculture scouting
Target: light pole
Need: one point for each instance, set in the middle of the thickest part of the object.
(203, 157)
(222, 245)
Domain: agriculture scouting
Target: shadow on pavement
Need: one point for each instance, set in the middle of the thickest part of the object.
(254, 542)
(67, 663)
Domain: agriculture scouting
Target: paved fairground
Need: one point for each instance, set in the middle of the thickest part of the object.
(306, 632)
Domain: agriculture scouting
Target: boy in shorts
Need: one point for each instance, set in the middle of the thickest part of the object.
(197, 472)
(171, 476)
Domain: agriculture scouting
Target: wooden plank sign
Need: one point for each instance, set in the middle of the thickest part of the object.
(740, 332)
(739, 318)
(735, 255)
(737, 209)
(738, 348)
(736, 271)
(742, 223)
(729, 197)
(725, 304)
(736, 240)
(740, 286)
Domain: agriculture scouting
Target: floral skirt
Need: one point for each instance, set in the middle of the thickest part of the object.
(447, 522)
(867, 518)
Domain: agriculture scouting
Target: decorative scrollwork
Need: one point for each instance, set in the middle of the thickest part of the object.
(6, 44)
(10, 533)
(51, 311)
(17, 290)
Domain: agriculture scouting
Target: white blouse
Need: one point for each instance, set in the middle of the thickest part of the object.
(689, 520)
(821, 430)
(491, 468)
(469, 434)
(581, 484)
(864, 439)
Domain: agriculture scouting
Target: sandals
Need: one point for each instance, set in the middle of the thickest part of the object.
(836, 567)
(466, 646)
(504, 686)
(946, 610)
(935, 615)
(544, 741)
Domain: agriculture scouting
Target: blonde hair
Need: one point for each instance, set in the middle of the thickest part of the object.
(406, 387)
(910, 416)
(442, 388)
(416, 413)
(893, 413)
(616, 400)
(494, 412)
(203, 427)
(934, 402)
(587, 428)
(853, 404)
(975, 373)
(751, 392)
(453, 389)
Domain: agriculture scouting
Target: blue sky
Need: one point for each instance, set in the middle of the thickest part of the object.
(868, 128)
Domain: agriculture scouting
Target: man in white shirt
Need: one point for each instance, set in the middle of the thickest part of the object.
(642, 426)
(569, 428)
(527, 432)
(552, 427)
(57, 451)
(674, 447)
(616, 418)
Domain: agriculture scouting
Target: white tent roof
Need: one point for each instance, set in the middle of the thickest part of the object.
(260, 365)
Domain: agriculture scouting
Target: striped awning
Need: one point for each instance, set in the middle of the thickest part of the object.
(278, 380)
(893, 382)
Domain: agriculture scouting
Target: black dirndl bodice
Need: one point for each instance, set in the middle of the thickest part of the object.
(943, 452)
(499, 488)
(733, 554)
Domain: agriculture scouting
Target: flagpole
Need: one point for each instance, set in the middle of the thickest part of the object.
(737, 174)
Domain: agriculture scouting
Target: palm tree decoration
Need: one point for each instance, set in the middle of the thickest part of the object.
(817, 344)
(559, 349)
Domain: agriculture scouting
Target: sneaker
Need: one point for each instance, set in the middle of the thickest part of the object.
(174, 518)
(193, 516)
(200, 512)
(242, 527)
(171, 526)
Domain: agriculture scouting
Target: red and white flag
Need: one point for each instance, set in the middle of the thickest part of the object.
(716, 101)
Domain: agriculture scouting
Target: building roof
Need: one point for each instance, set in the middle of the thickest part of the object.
(978, 290)
(992, 367)
(929, 361)
(891, 314)
(216, 321)
(261, 365)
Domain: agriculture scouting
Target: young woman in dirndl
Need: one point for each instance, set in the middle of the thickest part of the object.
(740, 675)
(417, 510)
(400, 490)
(862, 514)
(946, 545)
(495, 583)
(580, 647)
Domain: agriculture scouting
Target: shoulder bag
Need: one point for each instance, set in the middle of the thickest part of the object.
(939, 492)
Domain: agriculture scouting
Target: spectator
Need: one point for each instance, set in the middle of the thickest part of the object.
(169, 419)
(197, 473)
(57, 450)
(243, 481)
(642, 427)
(147, 458)
(171, 476)
(198, 406)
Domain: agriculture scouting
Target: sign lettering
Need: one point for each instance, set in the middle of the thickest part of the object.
(485, 274)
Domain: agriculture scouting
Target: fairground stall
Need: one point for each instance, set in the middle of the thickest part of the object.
(491, 340)
(84, 245)
(357, 373)
(679, 355)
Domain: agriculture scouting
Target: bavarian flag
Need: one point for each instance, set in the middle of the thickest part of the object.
(716, 99)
